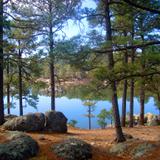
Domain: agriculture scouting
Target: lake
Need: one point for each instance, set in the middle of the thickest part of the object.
(73, 108)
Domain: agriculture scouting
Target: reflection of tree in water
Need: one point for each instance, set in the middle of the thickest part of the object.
(84, 91)
(88, 90)
(30, 98)
(11, 105)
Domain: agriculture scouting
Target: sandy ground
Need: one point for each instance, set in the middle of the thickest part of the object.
(101, 140)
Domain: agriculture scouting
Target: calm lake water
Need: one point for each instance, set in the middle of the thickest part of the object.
(74, 108)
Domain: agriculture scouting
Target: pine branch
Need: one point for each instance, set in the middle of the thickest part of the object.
(118, 48)
(6, 2)
(142, 7)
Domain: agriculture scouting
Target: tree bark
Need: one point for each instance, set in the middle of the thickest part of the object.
(51, 56)
(142, 101)
(124, 98)
(119, 134)
(1, 65)
(89, 116)
(131, 120)
(8, 87)
(142, 90)
(20, 80)
(52, 80)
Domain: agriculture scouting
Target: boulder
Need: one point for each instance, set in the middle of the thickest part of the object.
(55, 122)
(119, 148)
(153, 122)
(73, 149)
(9, 117)
(29, 122)
(149, 116)
(134, 148)
(18, 147)
(142, 149)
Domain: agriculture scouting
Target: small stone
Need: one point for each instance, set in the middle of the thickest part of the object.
(92, 143)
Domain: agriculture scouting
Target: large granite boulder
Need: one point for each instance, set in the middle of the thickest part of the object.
(9, 117)
(142, 149)
(135, 149)
(55, 122)
(29, 122)
(18, 147)
(73, 149)
(149, 116)
(153, 122)
(52, 121)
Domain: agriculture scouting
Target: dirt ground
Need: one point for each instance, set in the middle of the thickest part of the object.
(101, 140)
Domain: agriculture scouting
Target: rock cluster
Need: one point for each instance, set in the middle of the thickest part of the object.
(149, 119)
(50, 121)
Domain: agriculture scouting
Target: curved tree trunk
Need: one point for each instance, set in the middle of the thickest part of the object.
(1, 64)
(119, 134)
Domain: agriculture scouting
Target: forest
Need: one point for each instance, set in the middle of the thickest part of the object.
(93, 50)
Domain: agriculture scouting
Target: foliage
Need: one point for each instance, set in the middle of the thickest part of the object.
(103, 116)
(72, 123)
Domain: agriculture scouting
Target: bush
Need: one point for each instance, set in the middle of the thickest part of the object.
(72, 123)
(103, 116)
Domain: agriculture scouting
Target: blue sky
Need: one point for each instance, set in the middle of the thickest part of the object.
(73, 29)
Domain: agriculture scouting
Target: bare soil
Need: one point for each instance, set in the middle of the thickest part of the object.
(101, 140)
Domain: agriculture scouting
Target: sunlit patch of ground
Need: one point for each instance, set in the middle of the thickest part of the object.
(101, 140)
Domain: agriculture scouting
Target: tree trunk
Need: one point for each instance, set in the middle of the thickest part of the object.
(8, 87)
(142, 89)
(142, 100)
(119, 134)
(51, 56)
(111, 121)
(52, 80)
(1, 65)
(124, 99)
(89, 117)
(20, 81)
(131, 120)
